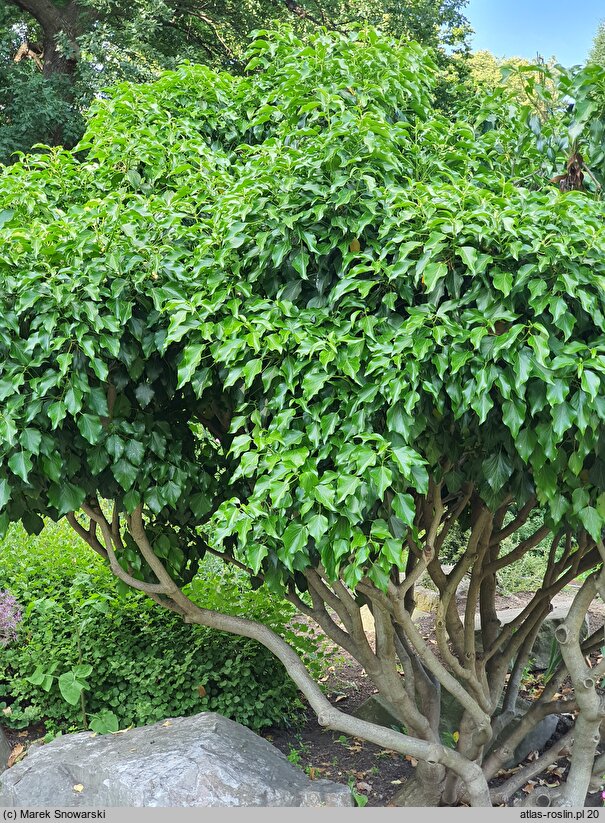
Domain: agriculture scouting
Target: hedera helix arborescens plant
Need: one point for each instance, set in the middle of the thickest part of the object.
(301, 321)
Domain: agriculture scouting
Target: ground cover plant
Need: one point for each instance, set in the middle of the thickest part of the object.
(82, 654)
(300, 321)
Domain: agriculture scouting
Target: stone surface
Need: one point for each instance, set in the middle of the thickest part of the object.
(451, 713)
(5, 751)
(426, 600)
(534, 741)
(377, 710)
(367, 620)
(204, 760)
(541, 652)
(417, 794)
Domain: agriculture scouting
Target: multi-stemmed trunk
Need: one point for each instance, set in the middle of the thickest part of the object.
(409, 672)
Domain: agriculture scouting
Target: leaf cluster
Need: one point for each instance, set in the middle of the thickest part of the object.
(80, 635)
(269, 308)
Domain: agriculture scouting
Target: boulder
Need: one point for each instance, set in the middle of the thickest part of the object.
(377, 710)
(5, 751)
(426, 600)
(367, 620)
(535, 740)
(204, 760)
(545, 641)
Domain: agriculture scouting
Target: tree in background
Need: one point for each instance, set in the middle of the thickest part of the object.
(597, 52)
(298, 319)
(517, 74)
(55, 55)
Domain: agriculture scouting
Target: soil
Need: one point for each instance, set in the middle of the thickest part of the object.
(378, 773)
(373, 773)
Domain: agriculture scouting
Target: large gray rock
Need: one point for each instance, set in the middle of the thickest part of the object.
(378, 710)
(5, 751)
(545, 643)
(204, 760)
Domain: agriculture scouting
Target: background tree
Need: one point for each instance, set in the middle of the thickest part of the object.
(301, 321)
(56, 56)
(597, 52)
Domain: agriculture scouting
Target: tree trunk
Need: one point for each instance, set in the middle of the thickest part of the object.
(61, 26)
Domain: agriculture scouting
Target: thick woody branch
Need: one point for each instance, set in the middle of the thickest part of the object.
(328, 716)
(515, 524)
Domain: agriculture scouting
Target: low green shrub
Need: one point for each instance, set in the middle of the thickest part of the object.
(87, 649)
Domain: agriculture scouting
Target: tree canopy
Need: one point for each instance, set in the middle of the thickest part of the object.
(56, 56)
(299, 319)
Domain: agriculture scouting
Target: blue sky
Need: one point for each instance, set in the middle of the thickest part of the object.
(523, 27)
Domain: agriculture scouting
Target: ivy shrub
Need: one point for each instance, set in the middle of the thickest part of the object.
(301, 321)
(146, 664)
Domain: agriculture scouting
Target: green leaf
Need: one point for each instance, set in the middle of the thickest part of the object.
(144, 394)
(562, 419)
(592, 522)
(42, 677)
(114, 446)
(104, 722)
(5, 492)
(381, 478)
(256, 554)
(20, 464)
(347, 486)
(324, 495)
(513, 415)
(66, 497)
(90, 427)
(432, 274)
(317, 526)
(131, 500)
(503, 281)
(189, 362)
(404, 507)
(125, 473)
(135, 452)
(200, 504)
(295, 538)
(497, 470)
(591, 383)
(71, 687)
(30, 439)
(5, 216)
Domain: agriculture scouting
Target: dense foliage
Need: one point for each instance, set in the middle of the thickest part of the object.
(300, 320)
(145, 665)
(340, 304)
(55, 56)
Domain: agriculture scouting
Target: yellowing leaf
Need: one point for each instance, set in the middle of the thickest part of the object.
(78, 787)
(355, 245)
